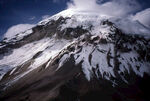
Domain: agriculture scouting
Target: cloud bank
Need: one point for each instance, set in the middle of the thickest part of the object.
(114, 8)
(143, 17)
(12, 31)
(111, 7)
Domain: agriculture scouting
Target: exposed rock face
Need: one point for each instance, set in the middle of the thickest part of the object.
(69, 60)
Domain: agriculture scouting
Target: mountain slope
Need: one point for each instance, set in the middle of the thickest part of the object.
(77, 56)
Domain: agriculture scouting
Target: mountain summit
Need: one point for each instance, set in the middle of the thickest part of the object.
(77, 56)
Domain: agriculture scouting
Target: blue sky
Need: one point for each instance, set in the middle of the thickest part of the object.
(13, 12)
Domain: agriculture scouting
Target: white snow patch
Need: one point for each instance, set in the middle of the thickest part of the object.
(98, 59)
(129, 60)
(63, 60)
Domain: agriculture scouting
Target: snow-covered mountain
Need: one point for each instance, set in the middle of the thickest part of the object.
(77, 56)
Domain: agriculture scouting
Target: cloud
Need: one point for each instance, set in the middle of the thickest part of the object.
(56, 1)
(32, 18)
(143, 17)
(111, 7)
(45, 17)
(12, 31)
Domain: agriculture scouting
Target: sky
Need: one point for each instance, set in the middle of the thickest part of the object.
(13, 12)
(23, 14)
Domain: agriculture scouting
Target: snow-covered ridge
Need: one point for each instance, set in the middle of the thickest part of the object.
(78, 18)
(78, 15)
(127, 24)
